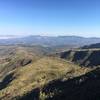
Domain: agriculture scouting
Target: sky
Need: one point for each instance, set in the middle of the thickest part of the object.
(50, 17)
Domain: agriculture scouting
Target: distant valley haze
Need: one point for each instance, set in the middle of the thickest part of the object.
(49, 41)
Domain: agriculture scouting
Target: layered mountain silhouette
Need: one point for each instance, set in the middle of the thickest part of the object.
(51, 41)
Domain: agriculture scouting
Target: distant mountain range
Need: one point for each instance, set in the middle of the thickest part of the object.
(49, 40)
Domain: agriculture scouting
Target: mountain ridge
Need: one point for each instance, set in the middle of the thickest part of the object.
(51, 40)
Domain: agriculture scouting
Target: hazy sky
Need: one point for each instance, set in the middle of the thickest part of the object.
(50, 17)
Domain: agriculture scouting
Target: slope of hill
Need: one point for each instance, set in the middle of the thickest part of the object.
(23, 80)
(84, 87)
(37, 73)
(83, 57)
(92, 46)
(12, 57)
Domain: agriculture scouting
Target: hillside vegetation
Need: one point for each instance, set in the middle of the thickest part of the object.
(12, 57)
(35, 75)
(38, 73)
(82, 57)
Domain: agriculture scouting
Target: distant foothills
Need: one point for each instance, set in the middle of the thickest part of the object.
(48, 40)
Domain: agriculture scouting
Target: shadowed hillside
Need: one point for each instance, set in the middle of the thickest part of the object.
(84, 87)
(86, 57)
(35, 75)
(92, 46)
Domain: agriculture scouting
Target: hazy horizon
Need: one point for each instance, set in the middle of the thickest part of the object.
(50, 17)
(19, 36)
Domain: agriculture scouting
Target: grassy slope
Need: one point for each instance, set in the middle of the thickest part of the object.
(38, 74)
(12, 57)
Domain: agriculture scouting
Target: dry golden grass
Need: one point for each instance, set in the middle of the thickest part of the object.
(38, 74)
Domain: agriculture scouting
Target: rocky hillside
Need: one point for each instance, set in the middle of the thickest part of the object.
(86, 57)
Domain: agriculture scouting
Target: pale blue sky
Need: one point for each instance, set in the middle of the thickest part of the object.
(50, 17)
